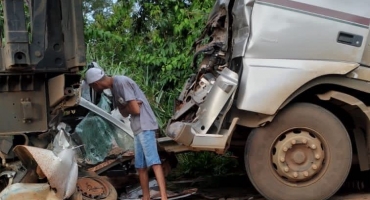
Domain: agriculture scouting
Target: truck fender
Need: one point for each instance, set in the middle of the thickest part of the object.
(360, 114)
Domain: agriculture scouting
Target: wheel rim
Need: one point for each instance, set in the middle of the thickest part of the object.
(92, 188)
(298, 157)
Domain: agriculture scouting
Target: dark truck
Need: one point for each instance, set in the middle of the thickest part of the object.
(42, 51)
(39, 67)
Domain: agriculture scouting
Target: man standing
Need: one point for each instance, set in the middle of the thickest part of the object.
(130, 100)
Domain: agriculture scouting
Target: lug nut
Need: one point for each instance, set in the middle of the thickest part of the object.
(305, 173)
(313, 146)
(314, 166)
(295, 174)
(285, 149)
(304, 141)
(286, 169)
(317, 156)
(294, 141)
(282, 159)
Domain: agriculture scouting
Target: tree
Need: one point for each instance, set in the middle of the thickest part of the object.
(149, 40)
(93, 8)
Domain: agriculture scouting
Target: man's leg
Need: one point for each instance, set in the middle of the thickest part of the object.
(144, 182)
(149, 145)
(158, 171)
(140, 166)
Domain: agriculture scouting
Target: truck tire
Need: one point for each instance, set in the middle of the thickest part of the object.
(304, 153)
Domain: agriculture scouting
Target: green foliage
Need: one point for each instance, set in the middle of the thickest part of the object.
(200, 164)
(149, 40)
(93, 8)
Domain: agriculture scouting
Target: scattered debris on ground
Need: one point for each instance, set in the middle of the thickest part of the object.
(136, 192)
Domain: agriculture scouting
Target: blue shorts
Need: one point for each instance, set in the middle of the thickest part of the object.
(146, 153)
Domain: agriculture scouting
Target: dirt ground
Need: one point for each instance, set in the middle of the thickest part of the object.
(239, 188)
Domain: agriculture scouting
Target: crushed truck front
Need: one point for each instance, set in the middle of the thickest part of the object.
(260, 62)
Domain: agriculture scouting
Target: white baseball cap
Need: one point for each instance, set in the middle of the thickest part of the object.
(94, 74)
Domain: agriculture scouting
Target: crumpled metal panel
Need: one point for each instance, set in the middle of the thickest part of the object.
(217, 98)
(216, 7)
(28, 191)
(207, 96)
(242, 12)
(62, 140)
(61, 170)
(216, 30)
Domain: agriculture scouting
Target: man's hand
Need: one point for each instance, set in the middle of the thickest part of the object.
(123, 110)
(132, 107)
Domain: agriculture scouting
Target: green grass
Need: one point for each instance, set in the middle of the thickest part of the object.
(205, 164)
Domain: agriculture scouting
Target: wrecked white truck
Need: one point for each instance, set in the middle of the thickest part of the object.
(284, 84)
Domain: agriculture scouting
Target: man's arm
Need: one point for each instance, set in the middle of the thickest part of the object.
(132, 107)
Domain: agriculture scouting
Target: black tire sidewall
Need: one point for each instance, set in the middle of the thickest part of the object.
(300, 115)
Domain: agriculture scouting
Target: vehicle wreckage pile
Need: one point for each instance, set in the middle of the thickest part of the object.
(90, 160)
(74, 165)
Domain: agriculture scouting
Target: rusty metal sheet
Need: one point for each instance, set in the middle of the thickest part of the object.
(61, 170)
(102, 165)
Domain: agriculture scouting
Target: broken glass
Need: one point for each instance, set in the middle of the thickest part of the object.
(100, 136)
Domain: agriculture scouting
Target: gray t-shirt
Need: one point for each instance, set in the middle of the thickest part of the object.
(124, 90)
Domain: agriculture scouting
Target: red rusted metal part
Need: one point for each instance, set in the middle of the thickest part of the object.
(109, 164)
(92, 188)
(101, 165)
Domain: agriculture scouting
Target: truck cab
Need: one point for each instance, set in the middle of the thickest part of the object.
(284, 84)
